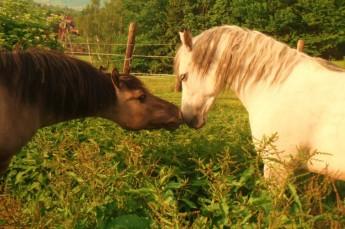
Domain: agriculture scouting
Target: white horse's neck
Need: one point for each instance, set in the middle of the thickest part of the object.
(308, 75)
(256, 92)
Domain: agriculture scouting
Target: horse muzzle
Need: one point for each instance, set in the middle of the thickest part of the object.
(195, 122)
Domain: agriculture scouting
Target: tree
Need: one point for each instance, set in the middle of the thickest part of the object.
(324, 32)
(319, 23)
(24, 23)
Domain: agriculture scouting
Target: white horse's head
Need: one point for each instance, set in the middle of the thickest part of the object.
(198, 88)
(227, 57)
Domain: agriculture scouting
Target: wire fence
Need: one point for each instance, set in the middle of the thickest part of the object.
(99, 52)
(121, 57)
(145, 74)
(120, 44)
(114, 54)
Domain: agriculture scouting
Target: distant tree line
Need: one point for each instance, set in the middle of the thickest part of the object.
(320, 23)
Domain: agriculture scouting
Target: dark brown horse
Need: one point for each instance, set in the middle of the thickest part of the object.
(39, 88)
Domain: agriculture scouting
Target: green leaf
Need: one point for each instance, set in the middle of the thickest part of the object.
(2, 222)
(130, 221)
(75, 177)
(295, 196)
(189, 203)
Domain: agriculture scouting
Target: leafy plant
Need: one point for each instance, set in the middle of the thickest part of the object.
(24, 24)
(92, 174)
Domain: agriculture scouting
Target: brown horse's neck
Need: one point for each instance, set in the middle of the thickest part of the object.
(102, 109)
(58, 86)
(48, 119)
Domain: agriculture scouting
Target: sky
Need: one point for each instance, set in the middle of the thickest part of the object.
(75, 4)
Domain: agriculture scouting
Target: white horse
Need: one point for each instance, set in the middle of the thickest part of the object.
(286, 92)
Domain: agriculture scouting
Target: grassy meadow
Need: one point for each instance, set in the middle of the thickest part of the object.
(90, 173)
(340, 63)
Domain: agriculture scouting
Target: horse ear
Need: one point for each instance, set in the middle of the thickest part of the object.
(186, 39)
(115, 75)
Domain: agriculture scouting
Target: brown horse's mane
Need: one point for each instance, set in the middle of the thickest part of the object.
(63, 85)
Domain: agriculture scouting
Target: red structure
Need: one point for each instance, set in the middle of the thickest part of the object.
(66, 26)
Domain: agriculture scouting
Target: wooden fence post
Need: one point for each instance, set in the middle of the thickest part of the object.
(300, 45)
(98, 48)
(130, 47)
(89, 49)
(70, 43)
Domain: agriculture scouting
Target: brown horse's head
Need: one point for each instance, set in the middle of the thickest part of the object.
(136, 108)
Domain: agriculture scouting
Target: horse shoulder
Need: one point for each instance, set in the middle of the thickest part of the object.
(308, 110)
(18, 122)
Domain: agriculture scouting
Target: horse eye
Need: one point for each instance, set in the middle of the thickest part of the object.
(142, 98)
(184, 77)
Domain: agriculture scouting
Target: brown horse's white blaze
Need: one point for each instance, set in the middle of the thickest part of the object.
(39, 88)
(299, 97)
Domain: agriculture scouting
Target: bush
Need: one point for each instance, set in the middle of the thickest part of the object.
(26, 24)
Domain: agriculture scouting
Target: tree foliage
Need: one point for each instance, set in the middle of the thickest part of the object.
(319, 23)
(24, 23)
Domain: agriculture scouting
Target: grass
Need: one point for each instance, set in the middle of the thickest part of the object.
(89, 173)
(340, 63)
(84, 58)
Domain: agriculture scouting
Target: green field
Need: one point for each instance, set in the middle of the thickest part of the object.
(340, 63)
(89, 173)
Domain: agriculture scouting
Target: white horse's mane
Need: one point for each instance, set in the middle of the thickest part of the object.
(239, 55)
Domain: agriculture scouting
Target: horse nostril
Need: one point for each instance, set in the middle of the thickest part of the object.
(195, 123)
(192, 122)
